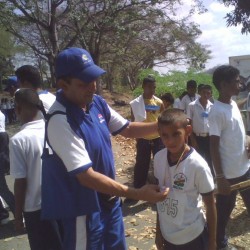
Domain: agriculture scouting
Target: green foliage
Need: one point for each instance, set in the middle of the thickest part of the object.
(174, 82)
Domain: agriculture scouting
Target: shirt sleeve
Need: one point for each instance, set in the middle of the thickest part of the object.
(116, 123)
(215, 123)
(204, 180)
(68, 145)
(18, 167)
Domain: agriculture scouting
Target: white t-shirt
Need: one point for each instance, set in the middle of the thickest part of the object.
(186, 100)
(248, 112)
(74, 154)
(180, 214)
(199, 116)
(25, 161)
(225, 121)
(177, 103)
(47, 98)
(2, 122)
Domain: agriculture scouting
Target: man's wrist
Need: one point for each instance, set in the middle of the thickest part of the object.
(219, 176)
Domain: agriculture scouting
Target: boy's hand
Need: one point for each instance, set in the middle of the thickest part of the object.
(223, 186)
(152, 193)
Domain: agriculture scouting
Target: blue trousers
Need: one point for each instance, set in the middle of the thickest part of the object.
(225, 205)
(106, 230)
(42, 234)
(144, 150)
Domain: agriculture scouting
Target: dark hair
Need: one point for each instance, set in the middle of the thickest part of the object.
(206, 86)
(191, 84)
(148, 79)
(30, 74)
(172, 116)
(224, 73)
(30, 99)
(200, 86)
(168, 97)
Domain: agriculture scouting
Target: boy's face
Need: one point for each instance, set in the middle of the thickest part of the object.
(166, 104)
(205, 94)
(149, 89)
(232, 87)
(174, 136)
(192, 91)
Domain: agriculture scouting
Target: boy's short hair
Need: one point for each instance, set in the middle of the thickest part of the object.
(30, 74)
(168, 97)
(148, 79)
(191, 84)
(224, 73)
(28, 98)
(207, 87)
(172, 116)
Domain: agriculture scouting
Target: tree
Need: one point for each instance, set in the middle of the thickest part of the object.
(240, 14)
(122, 36)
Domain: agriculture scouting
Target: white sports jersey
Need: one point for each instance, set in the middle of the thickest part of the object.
(180, 215)
(2, 122)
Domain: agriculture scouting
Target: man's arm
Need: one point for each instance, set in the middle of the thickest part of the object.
(223, 186)
(211, 218)
(132, 115)
(106, 185)
(19, 192)
(139, 129)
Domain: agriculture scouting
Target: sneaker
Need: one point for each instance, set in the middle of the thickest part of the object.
(4, 218)
(228, 247)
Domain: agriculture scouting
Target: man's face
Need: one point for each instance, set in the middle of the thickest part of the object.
(78, 92)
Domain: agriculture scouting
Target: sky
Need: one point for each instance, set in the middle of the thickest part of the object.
(223, 41)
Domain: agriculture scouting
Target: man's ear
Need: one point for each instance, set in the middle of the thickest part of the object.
(188, 130)
(62, 84)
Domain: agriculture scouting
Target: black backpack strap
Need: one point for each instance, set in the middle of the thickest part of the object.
(48, 116)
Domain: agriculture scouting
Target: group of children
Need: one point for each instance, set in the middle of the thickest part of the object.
(190, 167)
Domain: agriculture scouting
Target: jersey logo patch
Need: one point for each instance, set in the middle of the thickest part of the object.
(179, 181)
(101, 119)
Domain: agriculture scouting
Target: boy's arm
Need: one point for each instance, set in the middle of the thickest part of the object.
(211, 218)
(223, 186)
(132, 115)
(19, 192)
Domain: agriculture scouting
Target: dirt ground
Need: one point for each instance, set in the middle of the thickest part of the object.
(139, 218)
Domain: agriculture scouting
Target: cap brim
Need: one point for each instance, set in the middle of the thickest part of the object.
(90, 74)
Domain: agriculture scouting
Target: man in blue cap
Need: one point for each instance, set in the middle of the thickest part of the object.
(78, 185)
(12, 85)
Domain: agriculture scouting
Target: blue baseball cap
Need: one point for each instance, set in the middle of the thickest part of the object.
(77, 63)
(11, 82)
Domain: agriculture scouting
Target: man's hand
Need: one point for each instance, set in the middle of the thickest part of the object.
(223, 186)
(152, 193)
(212, 245)
(19, 226)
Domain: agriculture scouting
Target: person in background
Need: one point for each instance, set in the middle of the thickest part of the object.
(12, 85)
(5, 193)
(190, 96)
(26, 166)
(181, 224)
(229, 149)
(177, 101)
(198, 113)
(81, 165)
(29, 77)
(146, 108)
(168, 100)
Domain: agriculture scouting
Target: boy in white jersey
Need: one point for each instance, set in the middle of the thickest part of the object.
(181, 223)
(227, 147)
